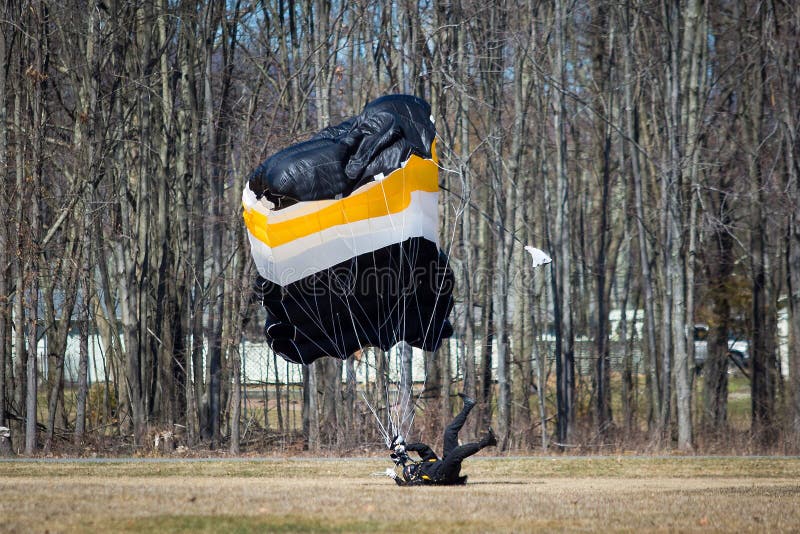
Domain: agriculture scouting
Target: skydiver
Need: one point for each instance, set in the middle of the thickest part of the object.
(431, 470)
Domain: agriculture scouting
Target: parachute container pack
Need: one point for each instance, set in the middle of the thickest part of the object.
(344, 232)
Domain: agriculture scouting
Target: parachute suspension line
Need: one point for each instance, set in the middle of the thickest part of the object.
(313, 320)
(389, 399)
(352, 301)
(492, 222)
(377, 325)
(399, 423)
(405, 420)
(385, 433)
(351, 379)
(459, 213)
(406, 384)
(382, 367)
(411, 402)
(398, 411)
(347, 292)
(319, 321)
(342, 286)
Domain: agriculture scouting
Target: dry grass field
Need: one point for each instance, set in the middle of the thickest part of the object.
(329, 495)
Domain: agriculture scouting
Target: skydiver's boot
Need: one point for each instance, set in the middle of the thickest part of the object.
(451, 432)
(489, 440)
(451, 462)
(469, 402)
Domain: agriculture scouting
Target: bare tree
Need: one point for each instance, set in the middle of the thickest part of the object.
(652, 377)
(789, 69)
(763, 359)
(565, 348)
(604, 57)
(5, 263)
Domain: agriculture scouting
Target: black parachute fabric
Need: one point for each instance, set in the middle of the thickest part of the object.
(341, 158)
(400, 292)
(344, 233)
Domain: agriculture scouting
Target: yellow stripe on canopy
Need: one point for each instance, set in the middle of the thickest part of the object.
(376, 199)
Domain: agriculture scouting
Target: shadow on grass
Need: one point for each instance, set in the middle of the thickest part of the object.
(504, 483)
(469, 484)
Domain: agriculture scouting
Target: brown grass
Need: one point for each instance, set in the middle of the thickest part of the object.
(511, 495)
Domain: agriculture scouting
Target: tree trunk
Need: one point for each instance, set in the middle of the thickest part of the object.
(604, 57)
(236, 398)
(678, 263)
(380, 400)
(351, 436)
(405, 402)
(791, 64)
(5, 260)
(628, 393)
(652, 375)
(565, 350)
(468, 239)
(38, 113)
(329, 381)
(763, 379)
(214, 329)
(311, 404)
(488, 334)
(281, 424)
(83, 356)
(500, 296)
(719, 271)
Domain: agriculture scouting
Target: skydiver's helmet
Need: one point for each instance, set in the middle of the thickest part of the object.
(397, 441)
(400, 457)
(399, 454)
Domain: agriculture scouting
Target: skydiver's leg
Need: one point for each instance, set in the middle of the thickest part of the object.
(451, 464)
(451, 432)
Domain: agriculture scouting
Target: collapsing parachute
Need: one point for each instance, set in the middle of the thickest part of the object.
(344, 233)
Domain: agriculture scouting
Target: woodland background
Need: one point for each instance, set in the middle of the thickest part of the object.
(651, 147)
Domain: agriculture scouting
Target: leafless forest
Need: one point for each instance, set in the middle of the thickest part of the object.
(651, 147)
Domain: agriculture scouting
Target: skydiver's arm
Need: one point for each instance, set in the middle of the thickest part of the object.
(400, 479)
(425, 452)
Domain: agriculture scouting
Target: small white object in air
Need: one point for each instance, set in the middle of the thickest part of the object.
(539, 257)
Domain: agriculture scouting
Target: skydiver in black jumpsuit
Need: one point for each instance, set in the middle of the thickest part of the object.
(432, 470)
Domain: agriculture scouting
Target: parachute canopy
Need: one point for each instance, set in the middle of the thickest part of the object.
(344, 233)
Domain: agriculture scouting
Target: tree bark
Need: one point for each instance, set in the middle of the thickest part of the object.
(562, 281)
(38, 114)
(652, 375)
(791, 63)
(763, 375)
(405, 402)
(5, 259)
(604, 59)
